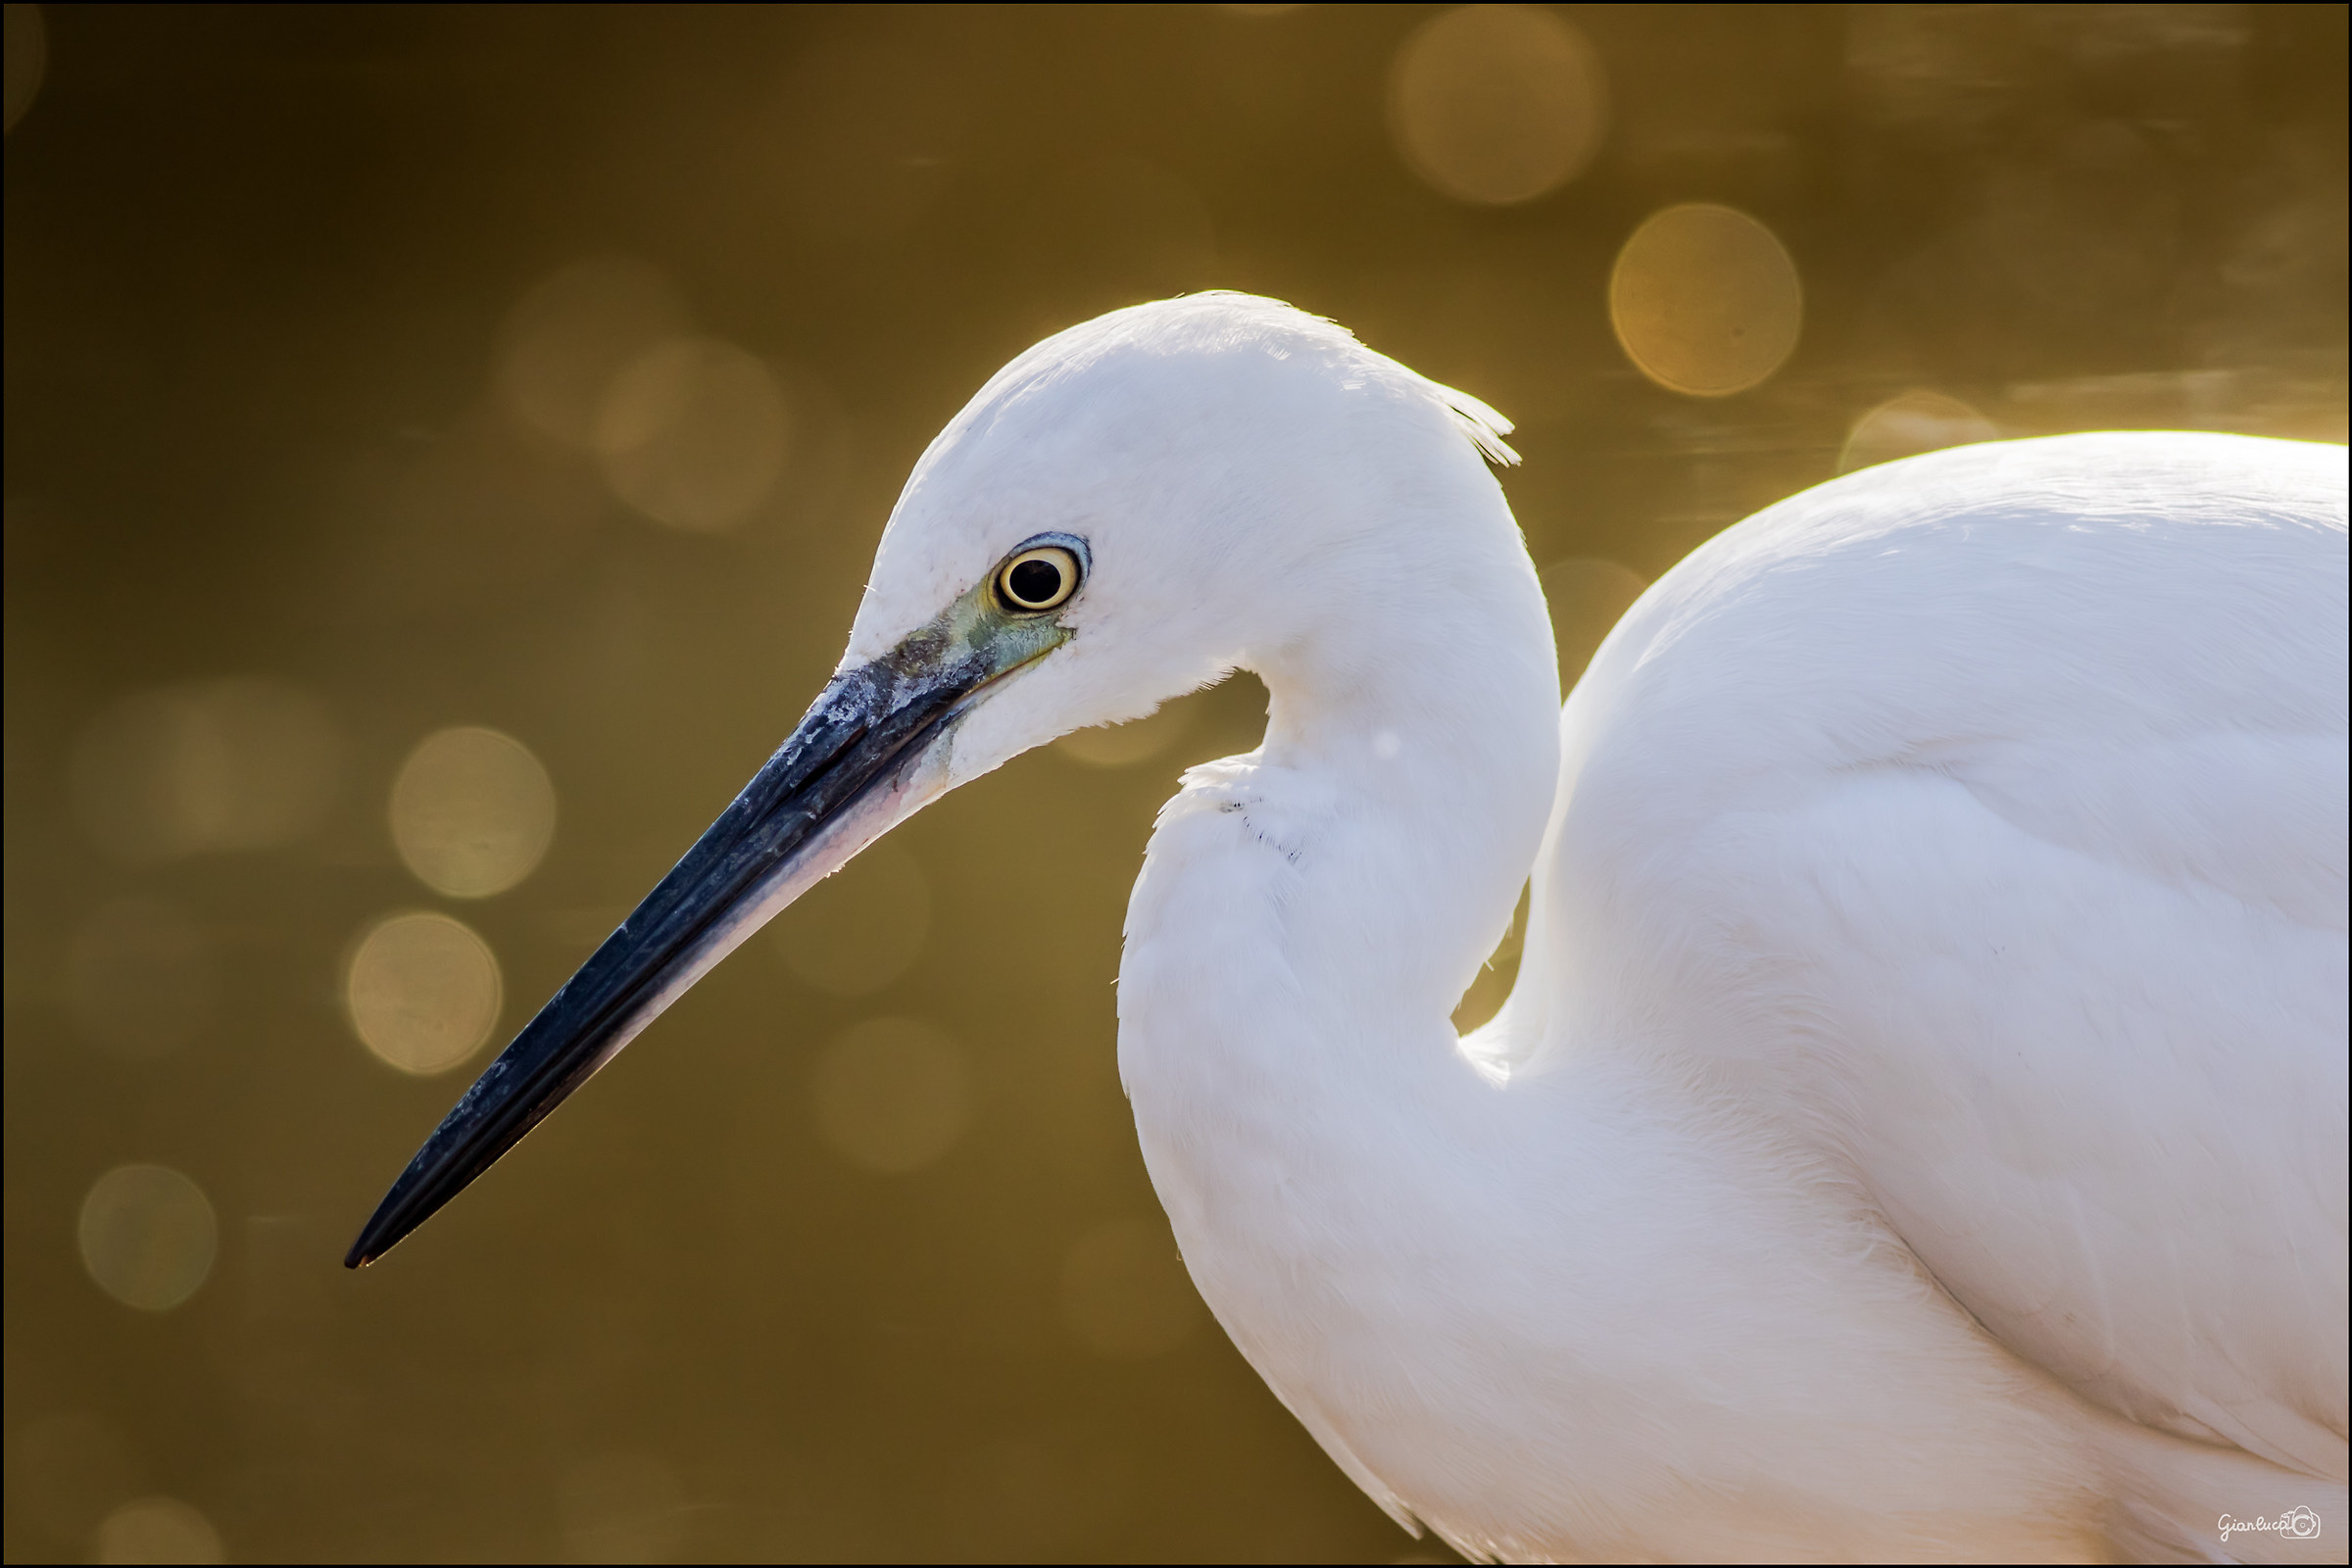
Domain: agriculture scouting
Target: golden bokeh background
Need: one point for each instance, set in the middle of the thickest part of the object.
(444, 449)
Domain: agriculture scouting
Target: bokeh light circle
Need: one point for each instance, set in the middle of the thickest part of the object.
(473, 811)
(147, 1236)
(156, 1530)
(893, 1094)
(422, 992)
(244, 763)
(1497, 104)
(565, 341)
(694, 433)
(1912, 422)
(1705, 300)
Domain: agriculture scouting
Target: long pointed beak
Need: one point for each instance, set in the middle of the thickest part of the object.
(838, 783)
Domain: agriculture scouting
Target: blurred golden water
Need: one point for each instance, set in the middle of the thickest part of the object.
(444, 447)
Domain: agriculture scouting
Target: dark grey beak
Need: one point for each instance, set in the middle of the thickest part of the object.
(831, 789)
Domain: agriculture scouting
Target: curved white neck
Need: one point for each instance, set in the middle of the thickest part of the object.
(1408, 767)
(1308, 916)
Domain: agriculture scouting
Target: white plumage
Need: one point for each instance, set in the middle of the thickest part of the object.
(1919, 1128)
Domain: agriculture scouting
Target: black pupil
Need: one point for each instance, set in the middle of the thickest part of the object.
(1033, 583)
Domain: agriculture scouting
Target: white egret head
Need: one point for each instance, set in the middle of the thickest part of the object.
(1214, 463)
(1128, 510)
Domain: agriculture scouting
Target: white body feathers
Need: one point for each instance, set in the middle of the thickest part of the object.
(1947, 869)
(1919, 1128)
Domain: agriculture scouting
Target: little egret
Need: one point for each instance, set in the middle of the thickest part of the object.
(1919, 1129)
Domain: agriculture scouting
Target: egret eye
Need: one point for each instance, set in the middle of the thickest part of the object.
(1039, 579)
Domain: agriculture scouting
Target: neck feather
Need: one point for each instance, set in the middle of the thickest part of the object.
(1375, 844)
